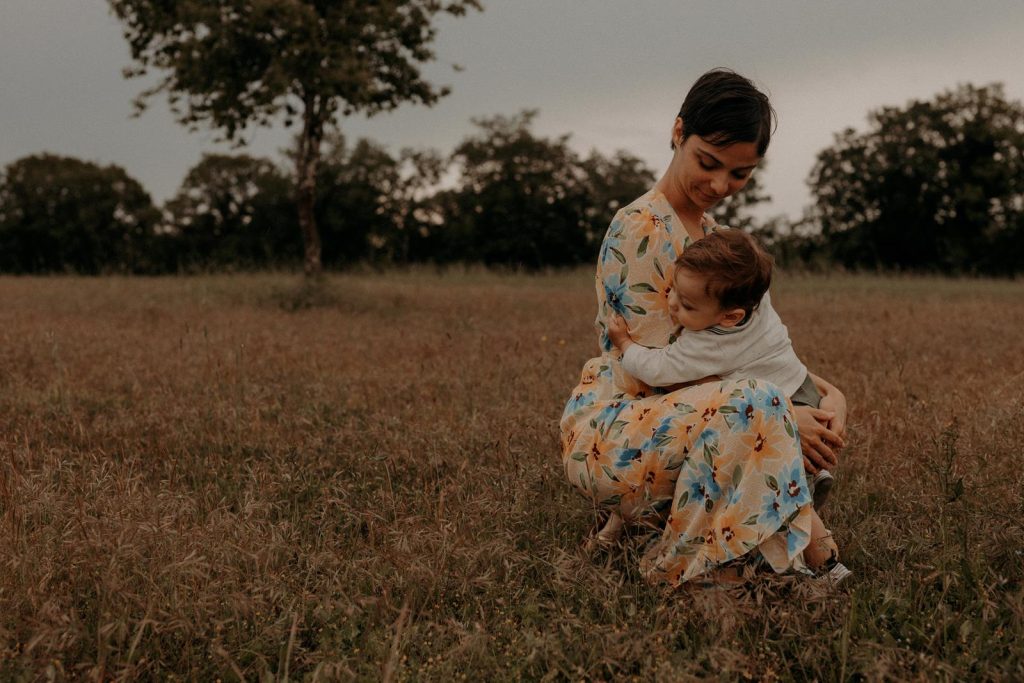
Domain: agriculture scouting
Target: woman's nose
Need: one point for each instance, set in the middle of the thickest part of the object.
(719, 185)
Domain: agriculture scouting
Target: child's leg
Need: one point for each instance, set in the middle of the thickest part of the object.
(822, 547)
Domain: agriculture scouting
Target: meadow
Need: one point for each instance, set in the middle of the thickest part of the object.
(224, 477)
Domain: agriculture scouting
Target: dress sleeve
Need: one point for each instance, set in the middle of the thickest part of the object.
(632, 277)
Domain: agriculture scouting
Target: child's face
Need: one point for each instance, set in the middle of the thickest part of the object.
(691, 306)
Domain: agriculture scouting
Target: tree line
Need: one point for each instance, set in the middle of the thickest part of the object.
(936, 186)
(504, 196)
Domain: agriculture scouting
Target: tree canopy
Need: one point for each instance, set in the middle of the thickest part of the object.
(234, 211)
(234, 63)
(523, 199)
(936, 185)
(60, 214)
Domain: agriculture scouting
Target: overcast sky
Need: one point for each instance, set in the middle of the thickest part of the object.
(610, 72)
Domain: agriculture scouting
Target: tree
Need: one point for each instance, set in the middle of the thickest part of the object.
(354, 188)
(520, 200)
(233, 63)
(936, 185)
(613, 183)
(59, 214)
(235, 210)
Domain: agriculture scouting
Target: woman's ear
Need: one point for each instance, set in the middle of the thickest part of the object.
(677, 132)
(732, 317)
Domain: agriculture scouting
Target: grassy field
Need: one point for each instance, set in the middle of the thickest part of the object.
(208, 478)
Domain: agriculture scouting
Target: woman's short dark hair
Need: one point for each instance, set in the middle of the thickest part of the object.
(723, 107)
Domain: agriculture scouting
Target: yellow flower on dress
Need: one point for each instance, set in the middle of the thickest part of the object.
(763, 438)
(643, 224)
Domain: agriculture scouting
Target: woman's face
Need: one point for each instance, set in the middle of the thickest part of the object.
(704, 173)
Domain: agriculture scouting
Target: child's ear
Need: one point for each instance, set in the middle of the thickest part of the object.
(732, 317)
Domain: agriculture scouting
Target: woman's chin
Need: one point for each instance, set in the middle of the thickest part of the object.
(705, 201)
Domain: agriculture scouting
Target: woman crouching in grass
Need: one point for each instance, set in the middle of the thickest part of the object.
(718, 467)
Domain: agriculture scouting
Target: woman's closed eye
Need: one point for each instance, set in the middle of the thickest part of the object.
(738, 175)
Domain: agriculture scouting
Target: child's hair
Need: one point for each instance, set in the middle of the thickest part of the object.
(737, 268)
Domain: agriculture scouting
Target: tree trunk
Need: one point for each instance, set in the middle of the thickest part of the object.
(307, 163)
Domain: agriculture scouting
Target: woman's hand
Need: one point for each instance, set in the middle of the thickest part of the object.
(834, 402)
(818, 442)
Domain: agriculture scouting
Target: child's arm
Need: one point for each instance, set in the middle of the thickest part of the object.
(677, 363)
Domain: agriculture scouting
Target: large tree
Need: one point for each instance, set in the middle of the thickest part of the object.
(233, 63)
(65, 214)
(936, 185)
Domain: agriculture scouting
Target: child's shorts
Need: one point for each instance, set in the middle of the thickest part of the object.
(807, 394)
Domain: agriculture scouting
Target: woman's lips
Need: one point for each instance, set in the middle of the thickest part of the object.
(710, 198)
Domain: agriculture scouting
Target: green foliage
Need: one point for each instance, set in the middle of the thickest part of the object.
(374, 206)
(60, 214)
(235, 210)
(937, 185)
(530, 201)
(233, 63)
(613, 183)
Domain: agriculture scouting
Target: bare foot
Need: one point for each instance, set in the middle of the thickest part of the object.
(607, 536)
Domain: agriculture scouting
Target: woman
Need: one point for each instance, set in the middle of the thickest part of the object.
(718, 465)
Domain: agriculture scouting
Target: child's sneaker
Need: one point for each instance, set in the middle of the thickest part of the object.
(821, 488)
(835, 572)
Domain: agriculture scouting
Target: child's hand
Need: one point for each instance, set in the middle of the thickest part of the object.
(618, 332)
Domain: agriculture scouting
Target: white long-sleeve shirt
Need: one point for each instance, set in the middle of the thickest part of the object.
(757, 349)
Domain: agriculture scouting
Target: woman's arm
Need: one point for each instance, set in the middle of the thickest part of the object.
(834, 401)
(822, 429)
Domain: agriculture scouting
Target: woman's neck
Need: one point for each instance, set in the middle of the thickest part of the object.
(689, 213)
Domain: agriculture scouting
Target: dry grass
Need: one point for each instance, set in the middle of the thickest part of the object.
(204, 477)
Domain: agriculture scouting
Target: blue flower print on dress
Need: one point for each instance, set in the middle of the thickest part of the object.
(606, 341)
(627, 455)
(702, 485)
(771, 510)
(733, 496)
(669, 250)
(706, 443)
(606, 417)
(617, 294)
(796, 540)
(794, 487)
(745, 407)
(578, 402)
(610, 246)
(772, 402)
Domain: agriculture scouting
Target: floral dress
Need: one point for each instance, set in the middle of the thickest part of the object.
(716, 466)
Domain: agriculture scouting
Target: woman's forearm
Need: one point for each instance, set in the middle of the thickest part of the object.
(832, 400)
